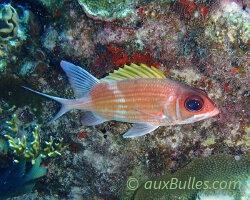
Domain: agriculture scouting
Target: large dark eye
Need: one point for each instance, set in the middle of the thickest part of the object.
(194, 103)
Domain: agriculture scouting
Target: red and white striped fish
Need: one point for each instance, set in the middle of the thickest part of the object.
(136, 94)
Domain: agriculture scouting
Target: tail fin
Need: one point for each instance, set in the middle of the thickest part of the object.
(81, 82)
(66, 104)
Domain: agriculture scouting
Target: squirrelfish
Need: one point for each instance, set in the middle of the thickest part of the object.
(136, 94)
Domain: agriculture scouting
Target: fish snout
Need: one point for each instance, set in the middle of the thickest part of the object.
(215, 112)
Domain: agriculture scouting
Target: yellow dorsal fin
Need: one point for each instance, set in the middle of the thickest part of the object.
(134, 71)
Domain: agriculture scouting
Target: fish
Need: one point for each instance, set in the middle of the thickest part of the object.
(136, 94)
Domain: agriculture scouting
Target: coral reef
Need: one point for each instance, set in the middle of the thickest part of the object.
(12, 34)
(74, 39)
(22, 151)
(204, 44)
(230, 26)
(53, 6)
(9, 23)
(3, 146)
(8, 30)
(50, 37)
(108, 10)
(204, 170)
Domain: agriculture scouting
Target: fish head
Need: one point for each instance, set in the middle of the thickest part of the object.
(194, 105)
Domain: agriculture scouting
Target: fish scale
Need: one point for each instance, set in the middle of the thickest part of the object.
(138, 96)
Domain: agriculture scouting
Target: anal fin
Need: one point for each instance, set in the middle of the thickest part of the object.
(139, 130)
(91, 119)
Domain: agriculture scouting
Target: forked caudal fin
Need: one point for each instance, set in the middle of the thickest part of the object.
(81, 82)
(66, 104)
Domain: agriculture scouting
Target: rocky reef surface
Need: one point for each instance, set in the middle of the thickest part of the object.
(204, 44)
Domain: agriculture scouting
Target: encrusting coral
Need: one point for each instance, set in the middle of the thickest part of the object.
(107, 10)
(230, 25)
(8, 23)
(227, 169)
(13, 33)
(34, 150)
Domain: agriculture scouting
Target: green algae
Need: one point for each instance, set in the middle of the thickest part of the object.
(200, 176)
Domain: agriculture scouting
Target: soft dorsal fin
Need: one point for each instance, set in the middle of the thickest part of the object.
(134, 71)
(81, 81)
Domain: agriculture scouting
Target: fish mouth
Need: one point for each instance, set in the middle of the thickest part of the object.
(200, 117)
(215, 112)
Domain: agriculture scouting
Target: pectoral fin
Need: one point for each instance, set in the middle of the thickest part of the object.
(138, 130)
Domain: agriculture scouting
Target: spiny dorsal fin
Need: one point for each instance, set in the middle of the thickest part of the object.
(134, 71)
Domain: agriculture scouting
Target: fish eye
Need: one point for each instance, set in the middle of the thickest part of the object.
(194, 103)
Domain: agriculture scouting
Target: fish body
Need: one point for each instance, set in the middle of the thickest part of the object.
(153, 101)
(130, 96)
